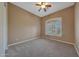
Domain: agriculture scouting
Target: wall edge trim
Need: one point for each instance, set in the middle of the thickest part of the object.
(23, 41)
(76, 49)
(68, 43)
(61, 41)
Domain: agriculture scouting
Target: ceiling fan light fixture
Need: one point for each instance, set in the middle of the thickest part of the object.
(43, 5)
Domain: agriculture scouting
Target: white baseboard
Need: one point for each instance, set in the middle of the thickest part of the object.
(23, 41)
(76, 48)
(61, 41)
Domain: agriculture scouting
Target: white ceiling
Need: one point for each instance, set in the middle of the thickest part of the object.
(30, 6)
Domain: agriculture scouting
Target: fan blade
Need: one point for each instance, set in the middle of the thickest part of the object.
(48, 5)
(42, 3)
(39, 9)
(45, 9)
(37, 4)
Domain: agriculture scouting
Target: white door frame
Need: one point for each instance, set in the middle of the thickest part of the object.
(4, 27)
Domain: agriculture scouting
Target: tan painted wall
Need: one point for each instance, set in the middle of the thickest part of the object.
(22, 24)
(67, 24)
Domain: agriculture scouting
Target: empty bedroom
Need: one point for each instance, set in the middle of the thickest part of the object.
(39, 29)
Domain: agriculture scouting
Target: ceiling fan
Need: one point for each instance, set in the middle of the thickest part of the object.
(43, 5)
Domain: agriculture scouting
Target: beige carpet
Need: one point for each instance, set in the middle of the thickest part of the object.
(42, 48)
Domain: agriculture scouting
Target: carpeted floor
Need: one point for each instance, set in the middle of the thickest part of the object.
(42, 48)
